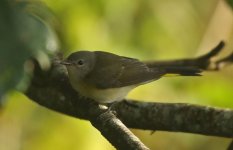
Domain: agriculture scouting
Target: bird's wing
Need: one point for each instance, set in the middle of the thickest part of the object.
(113, 71)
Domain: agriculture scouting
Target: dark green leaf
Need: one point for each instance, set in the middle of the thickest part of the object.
(22, 35)
(230, 2)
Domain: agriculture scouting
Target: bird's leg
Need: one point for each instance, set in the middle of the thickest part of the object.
(112, 105)
(107, 115)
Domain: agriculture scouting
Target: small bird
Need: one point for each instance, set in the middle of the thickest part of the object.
(106, 77)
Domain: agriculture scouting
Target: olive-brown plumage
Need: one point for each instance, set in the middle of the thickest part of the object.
(106, 77)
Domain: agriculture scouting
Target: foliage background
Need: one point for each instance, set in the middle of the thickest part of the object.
(144, 29)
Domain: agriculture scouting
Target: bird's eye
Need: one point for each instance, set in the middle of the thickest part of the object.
(80, 62)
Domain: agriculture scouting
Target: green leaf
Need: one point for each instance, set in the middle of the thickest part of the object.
(230, 2)
(22, 35)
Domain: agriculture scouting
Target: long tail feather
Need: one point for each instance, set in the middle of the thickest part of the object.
(183, 71)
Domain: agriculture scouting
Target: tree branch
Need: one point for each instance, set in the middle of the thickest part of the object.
(116, 132)
(51, 89)
(177, 117)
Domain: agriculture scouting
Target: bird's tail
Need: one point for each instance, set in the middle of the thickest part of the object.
(181, 70)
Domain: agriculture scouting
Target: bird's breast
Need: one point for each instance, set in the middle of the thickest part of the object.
(102, 95)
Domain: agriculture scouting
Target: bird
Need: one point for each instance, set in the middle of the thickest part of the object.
(106, 77)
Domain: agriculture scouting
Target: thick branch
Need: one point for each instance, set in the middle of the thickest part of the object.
(177, 118)
(116, 132)
(51, 89)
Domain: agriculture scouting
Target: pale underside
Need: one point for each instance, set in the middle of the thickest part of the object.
(103, 95)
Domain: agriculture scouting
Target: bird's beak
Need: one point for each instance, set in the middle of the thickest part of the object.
(65, 62)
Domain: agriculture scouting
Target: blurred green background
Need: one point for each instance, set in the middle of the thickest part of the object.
(144, 29)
